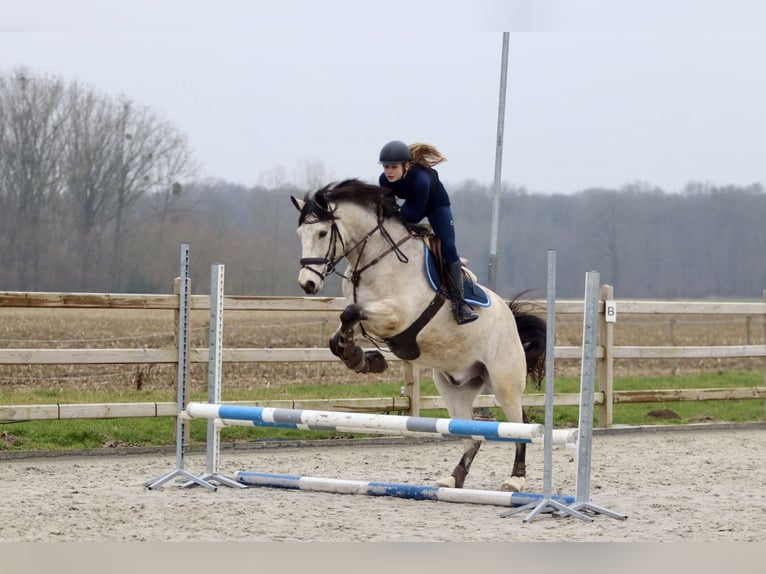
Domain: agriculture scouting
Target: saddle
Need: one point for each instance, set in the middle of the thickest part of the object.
(434, 268)
(404, 345)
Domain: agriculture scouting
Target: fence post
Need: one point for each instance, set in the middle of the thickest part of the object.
(412, 386)
(605, 369)
(322, 343)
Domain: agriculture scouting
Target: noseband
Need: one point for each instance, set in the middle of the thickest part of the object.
(329, 260)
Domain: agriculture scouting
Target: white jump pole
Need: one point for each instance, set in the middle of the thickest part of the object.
(304, 419)
(374, 488)
(184, 305)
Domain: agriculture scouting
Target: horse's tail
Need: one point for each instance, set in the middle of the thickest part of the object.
(532, 332)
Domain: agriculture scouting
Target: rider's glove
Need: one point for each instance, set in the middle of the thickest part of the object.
(390, 209)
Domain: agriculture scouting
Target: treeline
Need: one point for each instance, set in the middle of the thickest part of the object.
(705, 242)
(97, 194)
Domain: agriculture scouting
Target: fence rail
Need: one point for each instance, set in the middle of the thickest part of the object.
(412, 402)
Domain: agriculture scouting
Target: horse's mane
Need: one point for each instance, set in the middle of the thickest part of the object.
(355, 190)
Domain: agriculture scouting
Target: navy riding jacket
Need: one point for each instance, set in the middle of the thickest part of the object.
(424, 196)
(420, 197)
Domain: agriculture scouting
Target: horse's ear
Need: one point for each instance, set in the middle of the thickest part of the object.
(298, 203)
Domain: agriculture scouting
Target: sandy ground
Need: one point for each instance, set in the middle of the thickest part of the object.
(694, 486)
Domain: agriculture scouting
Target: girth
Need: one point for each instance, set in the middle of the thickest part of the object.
(404, 345)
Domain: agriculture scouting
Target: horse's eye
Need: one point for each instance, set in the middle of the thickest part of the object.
(322, 234)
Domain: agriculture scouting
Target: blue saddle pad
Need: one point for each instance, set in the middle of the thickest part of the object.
(473, 293)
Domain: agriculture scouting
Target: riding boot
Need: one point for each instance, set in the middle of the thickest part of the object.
(463, 312)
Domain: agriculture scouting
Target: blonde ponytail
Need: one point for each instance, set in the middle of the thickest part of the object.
(426, 154)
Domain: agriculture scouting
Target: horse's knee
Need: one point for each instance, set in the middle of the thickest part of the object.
(351, 315)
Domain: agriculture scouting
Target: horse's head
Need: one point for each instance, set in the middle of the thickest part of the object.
(319, 237)
(328, 224)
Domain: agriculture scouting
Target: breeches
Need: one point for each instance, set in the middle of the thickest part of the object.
(444, 227)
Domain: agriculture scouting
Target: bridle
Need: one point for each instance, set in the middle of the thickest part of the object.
(332, 258)
(329, 260)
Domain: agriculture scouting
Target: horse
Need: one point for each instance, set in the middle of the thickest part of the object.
(391, 302)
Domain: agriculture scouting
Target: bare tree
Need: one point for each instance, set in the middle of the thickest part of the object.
(32, 120)
(91, 180)
(311, 175)
(73, 164)
(150, 157)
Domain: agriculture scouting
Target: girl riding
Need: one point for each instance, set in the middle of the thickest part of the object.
(408, 172)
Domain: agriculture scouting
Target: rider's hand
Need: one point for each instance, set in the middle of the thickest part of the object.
(390, 209)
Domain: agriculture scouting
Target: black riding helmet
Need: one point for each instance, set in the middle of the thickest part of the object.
(395, 152)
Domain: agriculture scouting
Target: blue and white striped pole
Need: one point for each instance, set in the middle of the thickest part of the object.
(375, 488)
(375, 423)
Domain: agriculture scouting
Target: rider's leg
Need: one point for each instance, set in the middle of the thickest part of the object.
(444, 227)
(463, 311)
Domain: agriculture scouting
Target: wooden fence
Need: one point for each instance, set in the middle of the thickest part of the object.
(411, 401)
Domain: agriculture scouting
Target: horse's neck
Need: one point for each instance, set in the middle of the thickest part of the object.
(381, 274)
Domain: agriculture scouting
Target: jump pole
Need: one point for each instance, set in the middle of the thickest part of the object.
(184, 304)
(390, 489)
(304, 419)
(548, 503)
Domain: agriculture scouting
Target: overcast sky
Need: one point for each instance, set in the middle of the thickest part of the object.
(600, 93)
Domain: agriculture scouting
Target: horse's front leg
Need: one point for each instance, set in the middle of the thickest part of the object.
(342, 344)
(457, 478)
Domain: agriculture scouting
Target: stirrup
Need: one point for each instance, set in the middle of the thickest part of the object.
(462, 317)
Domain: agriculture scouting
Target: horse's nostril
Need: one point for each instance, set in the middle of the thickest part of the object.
(310, 287)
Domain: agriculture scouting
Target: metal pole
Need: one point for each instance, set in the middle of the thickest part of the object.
(214, 377)
(548, 503)
(184, 311)
(587, 384)
(214, 361)
(492, 278)
(484, 412)
(587, 389)
(550, 342)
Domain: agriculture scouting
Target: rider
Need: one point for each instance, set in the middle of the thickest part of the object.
(408, 172)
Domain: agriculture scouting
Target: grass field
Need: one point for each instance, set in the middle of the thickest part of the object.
(70, 328)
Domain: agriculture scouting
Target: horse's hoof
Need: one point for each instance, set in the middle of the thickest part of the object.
(376, 360)
(448, 482)
(334, 345)
(353, 357)
(513, 484)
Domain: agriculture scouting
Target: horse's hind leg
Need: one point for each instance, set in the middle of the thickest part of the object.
(342, 344)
